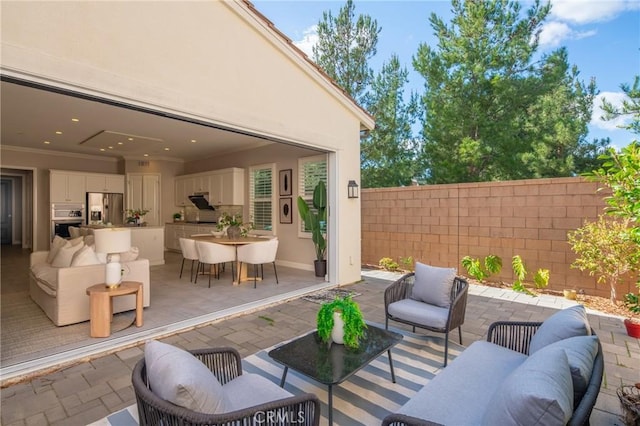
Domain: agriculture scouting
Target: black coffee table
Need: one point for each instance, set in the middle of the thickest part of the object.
(333, 364)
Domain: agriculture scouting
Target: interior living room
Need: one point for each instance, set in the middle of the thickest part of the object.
(75, 124)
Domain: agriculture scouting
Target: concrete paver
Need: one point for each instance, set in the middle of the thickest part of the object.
(88, 391)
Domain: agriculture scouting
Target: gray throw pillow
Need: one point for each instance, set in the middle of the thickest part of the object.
(569, 322)
(581, 352)
(538, 392)
(177, 376)
(433, 285)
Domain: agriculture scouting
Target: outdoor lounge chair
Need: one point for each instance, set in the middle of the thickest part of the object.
(433, 301)
(226, 366)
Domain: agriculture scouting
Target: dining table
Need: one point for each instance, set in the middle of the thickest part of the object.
(241, 275)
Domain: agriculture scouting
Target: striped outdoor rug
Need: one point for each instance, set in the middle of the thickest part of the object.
(365, 398)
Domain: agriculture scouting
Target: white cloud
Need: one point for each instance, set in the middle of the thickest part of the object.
(555, 32)
(309, 39)
(586, 11)
(614, 98)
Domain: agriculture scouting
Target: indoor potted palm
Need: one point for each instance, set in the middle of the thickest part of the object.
(341, 321)
(315, 221)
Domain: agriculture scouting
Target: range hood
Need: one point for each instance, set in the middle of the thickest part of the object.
(200, 201)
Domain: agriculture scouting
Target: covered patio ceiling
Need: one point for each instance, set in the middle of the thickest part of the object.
(44, 118)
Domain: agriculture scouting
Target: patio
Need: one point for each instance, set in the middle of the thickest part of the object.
(93, 388)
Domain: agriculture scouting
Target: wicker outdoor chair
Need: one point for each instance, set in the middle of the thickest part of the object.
(433, 315)
(226, 364)
(516, 335)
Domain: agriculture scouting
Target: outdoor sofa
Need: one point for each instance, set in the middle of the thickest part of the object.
(525, 373)
(60, 289)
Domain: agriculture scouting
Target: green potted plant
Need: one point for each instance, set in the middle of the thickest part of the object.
(345, 310)
(233, 225)
(315, 221)
(177, 217)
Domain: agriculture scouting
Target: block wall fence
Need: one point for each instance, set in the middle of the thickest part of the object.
(440, 224)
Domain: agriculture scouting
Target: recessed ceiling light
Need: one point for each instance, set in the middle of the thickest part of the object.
(130, 139)
(120, 143)
(75, 119)
(47, 142)
(58, 132)
(102, 149)
(193, 141)
(146, 155)
(167, 149)
(110, 147)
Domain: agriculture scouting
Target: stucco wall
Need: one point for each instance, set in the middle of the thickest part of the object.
(441, 224)
(211, 61)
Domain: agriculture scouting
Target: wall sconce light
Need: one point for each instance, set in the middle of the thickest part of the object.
(352, 189)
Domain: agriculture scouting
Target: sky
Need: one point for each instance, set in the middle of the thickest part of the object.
(602, 38)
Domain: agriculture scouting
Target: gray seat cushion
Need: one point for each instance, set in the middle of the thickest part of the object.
(569, 322)
(433, 285)
(419, 312)
(177, 376)
(539, 392)
(459, 394)
(249, 390)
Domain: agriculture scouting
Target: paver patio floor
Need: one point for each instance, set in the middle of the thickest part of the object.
(92, 389)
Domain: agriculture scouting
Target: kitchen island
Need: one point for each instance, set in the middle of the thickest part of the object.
(176, 230)
(148, 239)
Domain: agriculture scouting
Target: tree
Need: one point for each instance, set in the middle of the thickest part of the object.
(630, 106)
(345, 45)
(389, 152)
(491, 110)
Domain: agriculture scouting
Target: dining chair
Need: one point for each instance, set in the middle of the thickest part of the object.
(215, 254)
(259, 254)
(189, 252)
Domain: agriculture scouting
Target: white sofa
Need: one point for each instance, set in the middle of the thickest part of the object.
(61, 292)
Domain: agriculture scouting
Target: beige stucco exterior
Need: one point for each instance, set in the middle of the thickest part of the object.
(213, 61)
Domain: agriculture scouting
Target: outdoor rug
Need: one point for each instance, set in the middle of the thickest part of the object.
(363, 399)
(329, 295)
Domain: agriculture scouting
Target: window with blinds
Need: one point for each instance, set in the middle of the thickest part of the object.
(311, 170)
(261, 197)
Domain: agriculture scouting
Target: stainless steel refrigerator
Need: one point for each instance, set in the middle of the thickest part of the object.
(105, 208)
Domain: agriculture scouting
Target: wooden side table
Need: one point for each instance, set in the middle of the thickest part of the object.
(101, 305)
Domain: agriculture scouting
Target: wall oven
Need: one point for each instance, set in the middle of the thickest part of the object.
(65, 215)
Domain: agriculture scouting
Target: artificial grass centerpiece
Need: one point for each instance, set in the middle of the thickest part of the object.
(354, 324)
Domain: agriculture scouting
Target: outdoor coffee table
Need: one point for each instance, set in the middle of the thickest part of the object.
(333, 364)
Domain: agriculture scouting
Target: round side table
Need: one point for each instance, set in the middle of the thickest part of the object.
(101, 305)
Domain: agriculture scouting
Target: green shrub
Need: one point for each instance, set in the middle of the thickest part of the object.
(388, 264)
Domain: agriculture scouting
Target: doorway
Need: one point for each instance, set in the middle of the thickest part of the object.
(6, 208)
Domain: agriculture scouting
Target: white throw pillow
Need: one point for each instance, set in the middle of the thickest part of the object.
(65, 254)
(177, 376)
(89, 240)
(130, 256)
(56, 244)
(433, 285)
(85, 256)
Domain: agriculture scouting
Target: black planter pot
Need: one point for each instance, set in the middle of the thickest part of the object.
(320, 267)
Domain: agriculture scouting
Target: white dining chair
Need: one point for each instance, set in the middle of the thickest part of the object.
(214, 255)
(259, 254)
(189, 252)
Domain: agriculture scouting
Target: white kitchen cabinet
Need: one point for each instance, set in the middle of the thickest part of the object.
(67, 187)
(226, 187)
(105, 183)
(181, 195)
(143, 193)
(172, 233)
